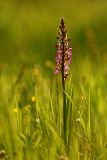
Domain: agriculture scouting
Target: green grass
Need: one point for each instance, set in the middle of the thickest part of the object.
(31, 114)
(31, 95)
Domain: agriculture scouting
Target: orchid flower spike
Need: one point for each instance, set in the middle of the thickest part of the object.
(64, 51)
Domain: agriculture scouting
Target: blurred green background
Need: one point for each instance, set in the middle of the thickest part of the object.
(28, 29)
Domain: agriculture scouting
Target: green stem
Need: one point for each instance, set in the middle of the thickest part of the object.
(64, 97)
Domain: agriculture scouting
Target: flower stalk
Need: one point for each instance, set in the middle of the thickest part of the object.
(63, 60)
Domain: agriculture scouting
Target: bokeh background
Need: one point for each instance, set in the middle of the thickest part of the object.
(28, 30)
(31, 95)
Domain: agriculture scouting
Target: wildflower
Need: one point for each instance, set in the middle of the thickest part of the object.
(64, 52)
(37, 120)
(15, 110)
(78, 120)
(63, 60)
(33, 98)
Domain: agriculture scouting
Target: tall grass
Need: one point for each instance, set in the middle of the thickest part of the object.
(31, 116)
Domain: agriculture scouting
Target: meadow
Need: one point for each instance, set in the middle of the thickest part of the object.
(31, 95)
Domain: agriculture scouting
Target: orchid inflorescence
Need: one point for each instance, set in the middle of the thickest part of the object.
(64, 51)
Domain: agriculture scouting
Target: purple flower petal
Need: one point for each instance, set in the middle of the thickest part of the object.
(64, 51)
